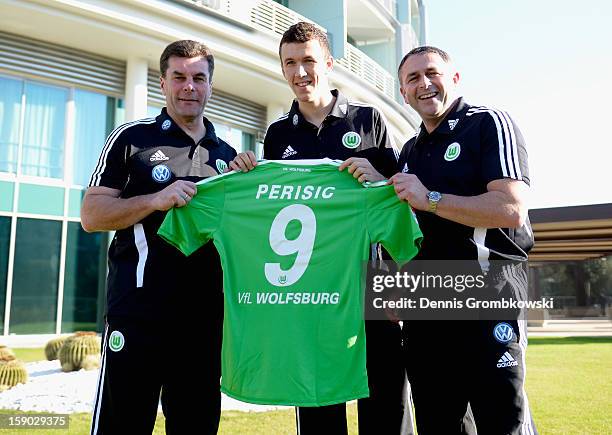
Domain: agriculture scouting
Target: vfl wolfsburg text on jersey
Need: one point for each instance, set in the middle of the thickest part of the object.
(292, 237)
(283, 298)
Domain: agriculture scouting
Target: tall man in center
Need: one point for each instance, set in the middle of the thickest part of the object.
(322, 123)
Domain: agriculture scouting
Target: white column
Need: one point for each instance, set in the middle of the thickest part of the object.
(136, 89)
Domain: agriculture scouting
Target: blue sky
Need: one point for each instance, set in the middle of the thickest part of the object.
(549, 64)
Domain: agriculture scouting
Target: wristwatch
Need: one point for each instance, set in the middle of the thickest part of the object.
(434, 198)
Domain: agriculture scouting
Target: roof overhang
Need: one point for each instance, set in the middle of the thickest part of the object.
(571, 233)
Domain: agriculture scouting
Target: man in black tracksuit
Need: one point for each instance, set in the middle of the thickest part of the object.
(153, 309)
(322, 123)
(465, 173)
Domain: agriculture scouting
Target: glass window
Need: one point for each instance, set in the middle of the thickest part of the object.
(248, 142)
(89, 133)
(85, 262)
(119, 114)
(43, 139)
(35, 275)
(10, 113)
(258, 150)
(5, 234)
(236, 138)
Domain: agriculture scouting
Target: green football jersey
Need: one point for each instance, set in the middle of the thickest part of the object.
(293, 237)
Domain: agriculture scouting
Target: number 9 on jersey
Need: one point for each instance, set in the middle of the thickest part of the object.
(302, 244)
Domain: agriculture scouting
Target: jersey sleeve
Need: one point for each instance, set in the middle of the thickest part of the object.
(111, 170)
(392, 223)
(386, 162)
(188, 228)
(504, 154)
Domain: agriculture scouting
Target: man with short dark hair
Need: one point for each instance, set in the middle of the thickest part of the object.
(465, 174)
(147, 167)
(322, 123)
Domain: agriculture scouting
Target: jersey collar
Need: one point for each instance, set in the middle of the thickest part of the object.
(210, 137)
(167, 125)
(451, 121)
(338, 110)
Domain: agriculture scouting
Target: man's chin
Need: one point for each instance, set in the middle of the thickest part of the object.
(303, 94)
(430, 110)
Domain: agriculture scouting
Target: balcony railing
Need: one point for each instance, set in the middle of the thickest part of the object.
(367, 69)
(390, 6)
(273, 18)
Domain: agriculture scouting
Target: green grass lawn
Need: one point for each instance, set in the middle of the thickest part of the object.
(569, 384)
(30, 354)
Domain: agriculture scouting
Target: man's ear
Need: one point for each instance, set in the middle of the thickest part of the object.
(456, 77)
(329, 64)
(162, 85)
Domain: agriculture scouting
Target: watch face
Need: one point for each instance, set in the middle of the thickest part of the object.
(434, 196)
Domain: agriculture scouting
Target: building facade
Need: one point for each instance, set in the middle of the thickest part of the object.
(71, 71)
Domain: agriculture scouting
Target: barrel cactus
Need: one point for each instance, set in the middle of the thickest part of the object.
(12, 372)
(6, 353)
(81, 350)
(91, 362)
(53, 346)
(84, 333)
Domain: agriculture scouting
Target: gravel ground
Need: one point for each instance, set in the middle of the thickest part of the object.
(50, 390)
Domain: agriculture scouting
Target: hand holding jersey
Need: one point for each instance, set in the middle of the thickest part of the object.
(409, 188)
(178, 194)
(244, 162)
(361, 169)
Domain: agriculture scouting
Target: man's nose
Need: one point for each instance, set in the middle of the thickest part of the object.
(301, 72)
(424, 81)
(188, 85)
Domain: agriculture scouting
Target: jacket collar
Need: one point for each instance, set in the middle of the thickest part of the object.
(167, 125)
(338, 110)
(450, 122)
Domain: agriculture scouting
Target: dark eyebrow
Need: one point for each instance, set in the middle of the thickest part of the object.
(414, 73)
(198, 75)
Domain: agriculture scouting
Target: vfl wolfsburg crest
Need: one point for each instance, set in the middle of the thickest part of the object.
(452, 152)
(221, 166)
(116, 341)
(351, 139)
